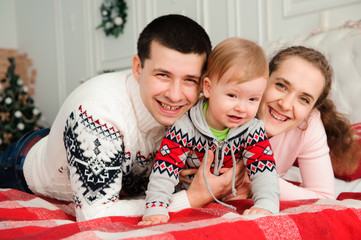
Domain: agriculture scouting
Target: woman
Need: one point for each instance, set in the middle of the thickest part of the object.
(302, 124)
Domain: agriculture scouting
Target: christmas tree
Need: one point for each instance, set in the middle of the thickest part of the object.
(18, 113)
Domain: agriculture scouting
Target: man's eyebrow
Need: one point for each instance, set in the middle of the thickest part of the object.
(289, 84)
(160, 70)
(167, 72)
(193, 76)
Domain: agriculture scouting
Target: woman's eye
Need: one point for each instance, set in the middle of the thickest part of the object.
(305, 100)
(280, 85)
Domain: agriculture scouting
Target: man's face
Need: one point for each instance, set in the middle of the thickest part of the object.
(169, 82)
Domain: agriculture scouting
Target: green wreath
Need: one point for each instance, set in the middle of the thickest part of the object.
(114, 17)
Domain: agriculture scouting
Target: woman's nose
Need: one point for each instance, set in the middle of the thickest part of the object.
(286, 102)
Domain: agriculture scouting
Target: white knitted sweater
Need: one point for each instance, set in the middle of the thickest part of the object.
(103, 141)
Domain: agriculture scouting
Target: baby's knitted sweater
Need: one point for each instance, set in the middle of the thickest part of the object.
(186, 144)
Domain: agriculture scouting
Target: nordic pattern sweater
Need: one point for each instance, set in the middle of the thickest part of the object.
(101, 144)
(186, 143)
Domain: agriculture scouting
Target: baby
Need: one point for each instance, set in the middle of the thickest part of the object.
(223, 120)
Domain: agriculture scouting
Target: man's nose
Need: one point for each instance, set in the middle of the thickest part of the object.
(174, 91)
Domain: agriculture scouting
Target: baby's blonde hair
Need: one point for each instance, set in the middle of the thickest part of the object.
(247, 56)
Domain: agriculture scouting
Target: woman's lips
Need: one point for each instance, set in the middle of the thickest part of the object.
(277, 115)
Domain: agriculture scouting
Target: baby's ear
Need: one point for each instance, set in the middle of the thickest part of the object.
(207, 87)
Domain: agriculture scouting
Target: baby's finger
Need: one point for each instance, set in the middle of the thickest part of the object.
(187, 172)
(246, 212)
(142, 223)
(185, 180)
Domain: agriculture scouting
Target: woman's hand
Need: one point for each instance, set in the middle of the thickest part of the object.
(198, 194)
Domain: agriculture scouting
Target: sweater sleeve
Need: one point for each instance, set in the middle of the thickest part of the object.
(98, 166)
(258, 157)
(164, 177)
(314, 164)
(96, 162)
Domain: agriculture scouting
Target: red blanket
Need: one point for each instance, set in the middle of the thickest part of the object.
(25, 216)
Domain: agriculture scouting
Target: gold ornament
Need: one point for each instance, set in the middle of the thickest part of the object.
(5, 116)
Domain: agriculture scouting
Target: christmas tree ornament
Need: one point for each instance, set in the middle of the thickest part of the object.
(4, 116)
(7, 138)
(18, 114)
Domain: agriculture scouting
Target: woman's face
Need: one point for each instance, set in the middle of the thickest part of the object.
(290, 95)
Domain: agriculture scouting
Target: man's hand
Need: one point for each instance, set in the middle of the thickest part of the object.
(155, 219)
(198, 194)
(243, 190)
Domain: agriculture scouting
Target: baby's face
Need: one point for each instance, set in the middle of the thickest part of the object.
(232, 104)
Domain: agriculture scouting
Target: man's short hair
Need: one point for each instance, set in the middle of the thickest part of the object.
(176, 32)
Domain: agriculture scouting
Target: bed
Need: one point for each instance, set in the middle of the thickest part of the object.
(26, 216)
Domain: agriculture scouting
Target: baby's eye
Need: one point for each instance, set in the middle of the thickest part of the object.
(231, 95)
(253, 99)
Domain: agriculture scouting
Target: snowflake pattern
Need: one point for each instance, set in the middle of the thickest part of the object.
(98, 162)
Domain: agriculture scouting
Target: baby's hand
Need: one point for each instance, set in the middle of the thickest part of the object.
(154, 219)
(255, 210)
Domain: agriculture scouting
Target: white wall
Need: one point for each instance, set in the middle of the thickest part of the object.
(8, 35)
(37, 37)
(60, 35)
(308, 15)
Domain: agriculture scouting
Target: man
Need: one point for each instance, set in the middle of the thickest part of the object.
(102, 143)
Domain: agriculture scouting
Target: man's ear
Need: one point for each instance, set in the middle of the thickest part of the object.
(207, 87)
(136, 67)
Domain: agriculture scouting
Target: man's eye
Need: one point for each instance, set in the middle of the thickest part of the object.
(192, 80)
(163, 75)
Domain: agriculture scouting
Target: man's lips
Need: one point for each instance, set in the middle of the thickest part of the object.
(277, 115)
(168, 107)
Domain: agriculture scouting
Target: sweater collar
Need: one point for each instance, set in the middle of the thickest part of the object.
(199, 121)
(146, 122)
